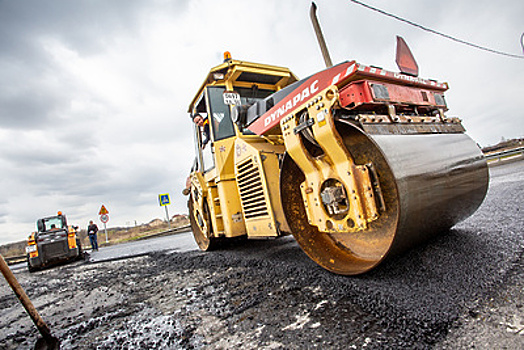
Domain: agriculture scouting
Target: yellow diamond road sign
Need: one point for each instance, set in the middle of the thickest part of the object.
(103, 211)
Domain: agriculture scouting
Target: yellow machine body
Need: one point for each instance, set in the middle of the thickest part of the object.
(356, 162)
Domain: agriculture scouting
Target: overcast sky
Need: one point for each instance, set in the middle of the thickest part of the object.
(94, 94)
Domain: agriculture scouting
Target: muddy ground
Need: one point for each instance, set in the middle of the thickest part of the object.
(463, 290)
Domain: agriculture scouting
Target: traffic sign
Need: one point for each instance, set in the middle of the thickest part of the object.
(103, 211)
(104, 218)
(163, 199)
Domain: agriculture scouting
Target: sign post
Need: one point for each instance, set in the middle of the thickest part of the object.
(104, 218)
(163, 199)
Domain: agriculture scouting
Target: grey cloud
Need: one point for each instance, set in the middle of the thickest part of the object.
(86, 26)
(39, 95)
(46, 149)
(29, 108)
(35, 158)
(83, 25)
(29, 95)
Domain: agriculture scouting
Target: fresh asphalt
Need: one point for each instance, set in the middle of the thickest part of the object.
(179, 242)
(462, 290)
(414, 300)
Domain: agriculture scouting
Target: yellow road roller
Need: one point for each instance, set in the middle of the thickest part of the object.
(356, 162)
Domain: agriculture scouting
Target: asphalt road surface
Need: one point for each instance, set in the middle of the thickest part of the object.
(180, 242)
(463, 290)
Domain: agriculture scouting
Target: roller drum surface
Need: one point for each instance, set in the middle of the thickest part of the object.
(441, 179)
(429, 183)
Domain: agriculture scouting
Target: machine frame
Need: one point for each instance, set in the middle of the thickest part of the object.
(333, 159)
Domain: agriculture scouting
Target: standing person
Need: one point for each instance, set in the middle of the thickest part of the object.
(92, 229)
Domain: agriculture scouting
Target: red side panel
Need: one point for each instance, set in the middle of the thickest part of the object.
(308, 89)
(339, 75)
(355, 94)
(362, 92)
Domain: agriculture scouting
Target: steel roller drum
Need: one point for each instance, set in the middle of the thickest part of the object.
(429, 183)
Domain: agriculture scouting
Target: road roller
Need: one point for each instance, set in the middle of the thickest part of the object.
(358, 163)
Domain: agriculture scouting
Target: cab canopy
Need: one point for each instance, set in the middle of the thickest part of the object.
(233, 83)
(57, 222)
(250, 80)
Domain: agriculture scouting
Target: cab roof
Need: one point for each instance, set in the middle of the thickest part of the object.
(234, 73)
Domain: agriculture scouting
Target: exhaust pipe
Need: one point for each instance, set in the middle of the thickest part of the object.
(320, 36)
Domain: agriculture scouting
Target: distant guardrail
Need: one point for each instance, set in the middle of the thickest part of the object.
(15, 259)
(497, 156)
(168, 232)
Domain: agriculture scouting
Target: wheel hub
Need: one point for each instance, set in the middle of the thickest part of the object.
(334, 199)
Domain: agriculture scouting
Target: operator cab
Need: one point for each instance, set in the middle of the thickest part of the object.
(52, 223)
(233, 83)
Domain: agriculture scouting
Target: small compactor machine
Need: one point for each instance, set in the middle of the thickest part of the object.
(54, 242)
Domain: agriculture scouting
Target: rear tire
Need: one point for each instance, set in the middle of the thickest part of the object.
(29, 267)
(201, 226)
